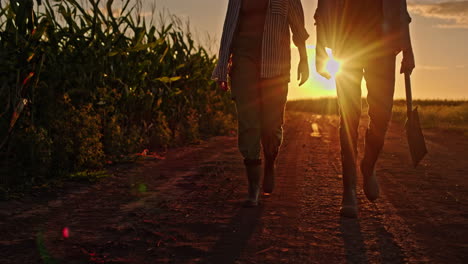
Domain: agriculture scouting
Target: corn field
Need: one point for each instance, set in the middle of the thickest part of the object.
(82, 83)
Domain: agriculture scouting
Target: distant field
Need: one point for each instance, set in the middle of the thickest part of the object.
(443, 114)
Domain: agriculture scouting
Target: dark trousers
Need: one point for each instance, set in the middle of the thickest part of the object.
(378, 69)
(260, 105)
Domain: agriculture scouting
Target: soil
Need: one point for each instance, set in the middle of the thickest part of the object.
(187, 207)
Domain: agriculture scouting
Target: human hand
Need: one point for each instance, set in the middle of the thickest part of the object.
(408, 63)
(223, 86)
(303, 71)
(321, 58)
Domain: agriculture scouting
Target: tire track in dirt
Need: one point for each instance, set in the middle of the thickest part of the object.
(300, 221)
(280, 239)
(333, 239)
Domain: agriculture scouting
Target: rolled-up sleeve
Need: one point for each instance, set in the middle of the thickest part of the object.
(297, 22)
(220, 73)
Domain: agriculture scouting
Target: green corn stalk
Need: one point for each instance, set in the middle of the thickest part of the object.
(136, 74)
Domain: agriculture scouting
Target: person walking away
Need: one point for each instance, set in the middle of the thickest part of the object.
(255, 56)
(366, 36)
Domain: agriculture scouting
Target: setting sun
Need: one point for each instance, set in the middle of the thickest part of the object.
(317, 86)
(333, 66)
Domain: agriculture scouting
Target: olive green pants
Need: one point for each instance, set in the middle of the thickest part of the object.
(260, 107)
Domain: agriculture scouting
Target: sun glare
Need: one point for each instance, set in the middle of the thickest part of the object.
(317, 86)
(333, 66)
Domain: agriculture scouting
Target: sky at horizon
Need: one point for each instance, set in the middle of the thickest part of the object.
(439, 34)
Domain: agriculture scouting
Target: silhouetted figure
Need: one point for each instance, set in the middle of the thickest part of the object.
(366, 36)
(255, 54)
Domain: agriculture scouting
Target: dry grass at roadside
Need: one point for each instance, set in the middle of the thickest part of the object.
(441, 114)
(447, 115)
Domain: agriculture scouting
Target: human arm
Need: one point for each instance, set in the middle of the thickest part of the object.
(321, 55)
(408, 62)
(297, 24)
(221, 71)
(303, 71)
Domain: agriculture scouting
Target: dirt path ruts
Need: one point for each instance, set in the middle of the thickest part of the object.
(311, 230)
(186, 209)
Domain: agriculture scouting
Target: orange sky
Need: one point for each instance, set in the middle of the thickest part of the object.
(440, 40)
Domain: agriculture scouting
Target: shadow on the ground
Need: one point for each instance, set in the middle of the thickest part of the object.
(390, 252)
(354, 246)
(231, 244)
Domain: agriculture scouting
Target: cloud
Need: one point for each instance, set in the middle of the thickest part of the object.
(454, 13)
(432, 68)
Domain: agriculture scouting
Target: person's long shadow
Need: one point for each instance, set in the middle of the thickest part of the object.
(354, 245)
(390, 251)
(231, 244)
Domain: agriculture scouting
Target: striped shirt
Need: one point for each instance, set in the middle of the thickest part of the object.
(281, 16)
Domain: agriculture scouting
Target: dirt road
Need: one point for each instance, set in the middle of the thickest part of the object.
(186, 208)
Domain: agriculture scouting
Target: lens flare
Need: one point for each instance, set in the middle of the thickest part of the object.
(333, 66)
(66, 232)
